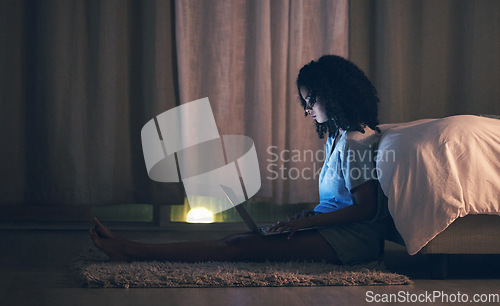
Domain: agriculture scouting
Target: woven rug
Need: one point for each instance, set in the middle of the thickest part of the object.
(95, 271)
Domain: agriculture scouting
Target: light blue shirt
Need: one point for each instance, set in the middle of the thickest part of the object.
(350, 164)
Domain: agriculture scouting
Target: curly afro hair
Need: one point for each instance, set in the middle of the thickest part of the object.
(350, 98)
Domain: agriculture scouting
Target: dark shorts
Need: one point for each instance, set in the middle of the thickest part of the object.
(359, 242)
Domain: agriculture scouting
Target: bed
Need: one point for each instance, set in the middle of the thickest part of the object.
(441, 178)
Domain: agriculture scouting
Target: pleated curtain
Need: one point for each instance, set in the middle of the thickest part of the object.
(79, 79)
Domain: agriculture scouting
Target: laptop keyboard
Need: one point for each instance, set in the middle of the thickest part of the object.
(266, 229)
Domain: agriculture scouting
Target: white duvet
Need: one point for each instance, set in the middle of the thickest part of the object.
(436, 170)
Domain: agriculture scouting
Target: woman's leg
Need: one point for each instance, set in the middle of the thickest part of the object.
(305, 245)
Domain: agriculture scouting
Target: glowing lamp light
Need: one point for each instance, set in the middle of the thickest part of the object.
(199, 215)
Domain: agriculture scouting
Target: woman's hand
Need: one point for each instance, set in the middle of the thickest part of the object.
(297, 222)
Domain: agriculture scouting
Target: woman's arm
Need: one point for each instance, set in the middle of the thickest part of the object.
(364, 209)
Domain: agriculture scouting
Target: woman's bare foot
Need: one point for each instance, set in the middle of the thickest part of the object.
(103, 231)
(114, 246)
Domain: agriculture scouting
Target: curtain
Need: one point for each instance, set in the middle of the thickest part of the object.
(245, 56)
(429, 58)
(79, 80)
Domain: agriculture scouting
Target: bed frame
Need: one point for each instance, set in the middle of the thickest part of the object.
(472, 234)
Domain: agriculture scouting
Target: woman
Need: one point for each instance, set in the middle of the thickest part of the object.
(351, 226)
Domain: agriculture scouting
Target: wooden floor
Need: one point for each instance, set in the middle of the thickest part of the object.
(35, 271)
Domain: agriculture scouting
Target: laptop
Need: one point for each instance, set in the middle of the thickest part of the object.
(263, 231)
